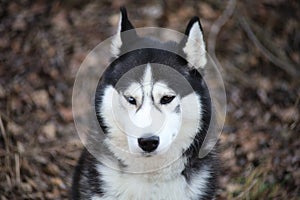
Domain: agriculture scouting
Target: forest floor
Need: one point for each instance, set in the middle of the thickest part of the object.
(42, 44)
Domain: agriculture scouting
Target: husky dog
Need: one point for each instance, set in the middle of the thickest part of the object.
(154, 108)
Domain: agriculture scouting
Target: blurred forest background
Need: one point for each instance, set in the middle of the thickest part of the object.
(42, 44)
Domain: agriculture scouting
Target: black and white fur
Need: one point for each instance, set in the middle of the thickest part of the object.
(188, 176)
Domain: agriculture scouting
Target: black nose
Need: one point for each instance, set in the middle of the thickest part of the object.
(149, 144)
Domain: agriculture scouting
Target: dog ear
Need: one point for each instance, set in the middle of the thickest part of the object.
(119, 39)
(194, 46)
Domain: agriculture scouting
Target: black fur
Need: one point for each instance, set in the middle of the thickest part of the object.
(125, 24)
(191, 23)
(86, 171)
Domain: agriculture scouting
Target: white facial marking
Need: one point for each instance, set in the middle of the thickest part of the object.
(147, 78)
(143, 116)
(140, 114)
(172, 120)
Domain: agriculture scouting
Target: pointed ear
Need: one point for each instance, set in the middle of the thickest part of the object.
(124, 25)
(124, 22)
(194, 46)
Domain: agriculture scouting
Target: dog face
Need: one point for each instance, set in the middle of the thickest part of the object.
(148, 111)
(147, 101)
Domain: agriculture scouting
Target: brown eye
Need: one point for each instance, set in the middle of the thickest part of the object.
(131, 100)
(166, 99)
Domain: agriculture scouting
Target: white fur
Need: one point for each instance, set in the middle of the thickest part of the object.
(161, 186)
(195, 47)
(116, 42)
(147, 79)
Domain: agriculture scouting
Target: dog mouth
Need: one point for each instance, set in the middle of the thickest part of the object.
(148, 155)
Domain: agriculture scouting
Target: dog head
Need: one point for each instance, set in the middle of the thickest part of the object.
(151, 101)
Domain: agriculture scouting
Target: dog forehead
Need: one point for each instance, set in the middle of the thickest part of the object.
(132, 77)
(137, 79)
(147, 78)
(151, 73)
(171, 79)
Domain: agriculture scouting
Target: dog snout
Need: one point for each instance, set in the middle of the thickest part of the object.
(148, 144)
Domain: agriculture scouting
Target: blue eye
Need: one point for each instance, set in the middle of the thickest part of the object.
(166, 99)
(131, 100)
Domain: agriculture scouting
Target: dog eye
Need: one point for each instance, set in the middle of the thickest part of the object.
(166, 99)
(131, 100)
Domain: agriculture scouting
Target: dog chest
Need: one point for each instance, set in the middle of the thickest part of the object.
(118, 185)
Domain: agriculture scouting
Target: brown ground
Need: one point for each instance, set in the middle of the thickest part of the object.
(43, 43)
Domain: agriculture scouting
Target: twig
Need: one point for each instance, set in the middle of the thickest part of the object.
(6, 143)
(247, 190)
(8, 181)
(17, 168)
(289, 68)
(2, 129)
(239, 76)
(215, 29)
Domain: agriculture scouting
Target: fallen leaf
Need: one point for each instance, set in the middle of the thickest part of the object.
(50, 130)
(41, 98)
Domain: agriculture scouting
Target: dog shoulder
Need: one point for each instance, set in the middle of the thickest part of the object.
(86, 179)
